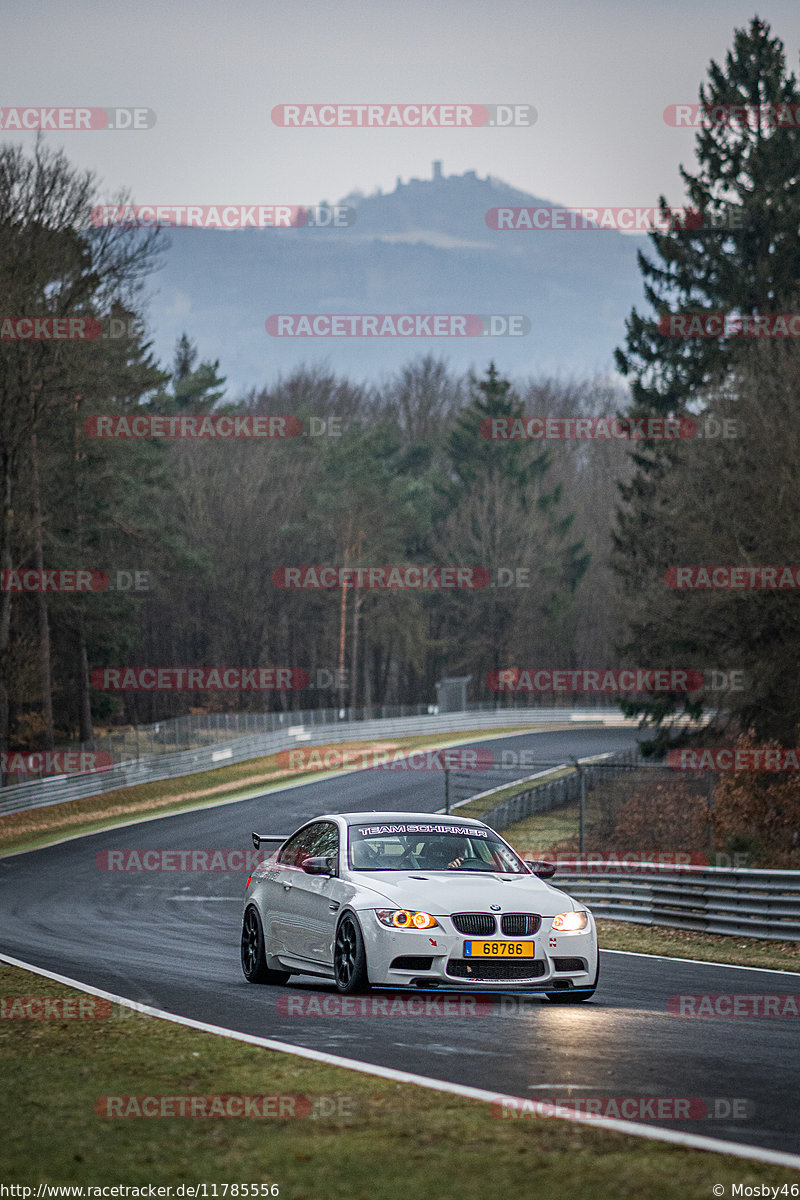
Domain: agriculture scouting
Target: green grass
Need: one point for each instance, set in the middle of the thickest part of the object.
(40, 826)
(476, 808)
(544, 830)
(393, 1140)
(685, 943)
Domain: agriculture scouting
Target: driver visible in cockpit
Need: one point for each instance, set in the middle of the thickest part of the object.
(445, 854)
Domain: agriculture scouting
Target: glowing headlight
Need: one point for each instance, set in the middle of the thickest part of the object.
(402, 918)
(571, 921)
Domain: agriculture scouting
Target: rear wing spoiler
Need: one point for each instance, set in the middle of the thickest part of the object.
(260, 839)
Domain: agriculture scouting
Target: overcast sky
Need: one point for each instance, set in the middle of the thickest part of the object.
(598, 72)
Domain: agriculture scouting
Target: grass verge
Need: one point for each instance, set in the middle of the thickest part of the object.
(710, 947)
(440, 1145)
(477, 807)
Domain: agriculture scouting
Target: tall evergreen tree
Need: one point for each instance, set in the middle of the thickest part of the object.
(742, 258)
(503, 512)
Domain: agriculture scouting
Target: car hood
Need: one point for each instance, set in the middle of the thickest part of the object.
(441, 893)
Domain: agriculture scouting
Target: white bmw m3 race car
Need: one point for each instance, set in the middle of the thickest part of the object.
(413, 900)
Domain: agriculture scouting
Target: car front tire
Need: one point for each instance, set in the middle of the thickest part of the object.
(350, 958)
(254, 960)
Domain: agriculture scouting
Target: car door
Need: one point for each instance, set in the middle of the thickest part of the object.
(282, 921)
(316, 898)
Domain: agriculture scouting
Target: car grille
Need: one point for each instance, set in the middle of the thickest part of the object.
(411, 962)
(569, 964)
(462, 969)
(475, 923)
(520, 924)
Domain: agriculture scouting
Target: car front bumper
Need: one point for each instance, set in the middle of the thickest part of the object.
(407, 958)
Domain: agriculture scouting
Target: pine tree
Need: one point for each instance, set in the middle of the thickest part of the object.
(474, 456)
(743, 258)
(194, 389)
(503, 512)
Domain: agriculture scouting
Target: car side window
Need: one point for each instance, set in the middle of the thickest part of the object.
(320, 840)
(298, 848)
(326, 844)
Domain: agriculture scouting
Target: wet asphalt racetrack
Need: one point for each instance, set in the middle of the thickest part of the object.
(171, 940)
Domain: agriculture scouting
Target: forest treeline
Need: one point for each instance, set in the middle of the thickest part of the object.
(398, 471)
(193, 530)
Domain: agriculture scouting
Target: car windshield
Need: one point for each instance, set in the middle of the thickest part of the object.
(415, 846)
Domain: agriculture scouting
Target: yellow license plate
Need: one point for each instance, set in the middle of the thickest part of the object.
(499, 950)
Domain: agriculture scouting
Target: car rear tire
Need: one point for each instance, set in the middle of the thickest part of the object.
(254, 960)
(570, 997)
(350, 958)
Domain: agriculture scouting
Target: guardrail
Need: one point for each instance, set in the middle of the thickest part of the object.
(58, 789)
(739, 901)
(193, 731)
(743, 901)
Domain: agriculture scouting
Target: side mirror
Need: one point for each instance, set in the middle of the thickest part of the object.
(545, 870)
(317, 866)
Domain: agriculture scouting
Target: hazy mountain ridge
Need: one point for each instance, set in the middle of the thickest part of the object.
(425, 247)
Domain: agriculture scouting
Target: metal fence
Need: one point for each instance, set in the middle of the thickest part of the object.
(195, 730)
(740, 901)
(545, 796)
(58, 789)
(618, 803)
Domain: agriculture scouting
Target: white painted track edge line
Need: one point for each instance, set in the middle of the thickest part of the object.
(702, 962)
(688, 1141)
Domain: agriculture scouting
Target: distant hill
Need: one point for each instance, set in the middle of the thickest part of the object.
(423, 248)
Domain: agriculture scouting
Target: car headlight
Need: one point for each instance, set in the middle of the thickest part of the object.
(571, 921)
(403, 918)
